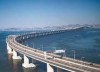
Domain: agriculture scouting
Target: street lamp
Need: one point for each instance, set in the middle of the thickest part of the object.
(38, 48)
(33, 44)
(45, 54)
(22, 42)
(64, 53)
(54, 48)
(42, 47)
(74, 54)
(82, 61)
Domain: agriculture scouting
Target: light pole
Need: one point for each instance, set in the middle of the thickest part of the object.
(45, 54)
(82, 61)
(26, 48)
(42, 47)
(99, 55)
(38, 48)
(22, 42)
(54, 48)
(74, 54)
(64, 53)
(33, 44)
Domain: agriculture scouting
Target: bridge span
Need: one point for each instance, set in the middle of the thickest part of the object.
(51, 59)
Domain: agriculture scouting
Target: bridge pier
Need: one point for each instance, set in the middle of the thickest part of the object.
(49, 68)
(15, 55)
(26, 63)
(9, 50)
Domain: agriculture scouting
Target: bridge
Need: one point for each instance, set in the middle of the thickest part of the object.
(69, 64)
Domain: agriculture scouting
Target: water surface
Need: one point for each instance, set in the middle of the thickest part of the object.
(85, 42)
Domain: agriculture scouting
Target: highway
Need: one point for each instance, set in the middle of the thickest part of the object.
(65, 63)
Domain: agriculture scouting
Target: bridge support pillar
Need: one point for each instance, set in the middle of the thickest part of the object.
(15, 55)
(26, 63)
(9, 49)
(49, 68)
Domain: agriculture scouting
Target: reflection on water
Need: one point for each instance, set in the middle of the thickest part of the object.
(10, 63)
(29, 70)
(16, 65)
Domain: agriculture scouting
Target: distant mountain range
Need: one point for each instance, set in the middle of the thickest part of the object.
(63, 27)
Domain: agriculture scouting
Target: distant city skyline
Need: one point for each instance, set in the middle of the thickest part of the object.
(42, 13)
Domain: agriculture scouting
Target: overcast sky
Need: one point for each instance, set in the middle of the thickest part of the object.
(40, 13)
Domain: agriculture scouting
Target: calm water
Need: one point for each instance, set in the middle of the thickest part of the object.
(85, 42)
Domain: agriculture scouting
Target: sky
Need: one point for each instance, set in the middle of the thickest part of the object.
(41, 13)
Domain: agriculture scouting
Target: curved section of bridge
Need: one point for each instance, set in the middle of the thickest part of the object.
(51, 59)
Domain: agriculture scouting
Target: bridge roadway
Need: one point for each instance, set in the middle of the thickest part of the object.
(65, 63)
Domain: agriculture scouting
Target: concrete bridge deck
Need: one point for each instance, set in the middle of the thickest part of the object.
(65, 63)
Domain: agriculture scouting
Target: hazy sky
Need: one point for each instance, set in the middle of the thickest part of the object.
(40, 13)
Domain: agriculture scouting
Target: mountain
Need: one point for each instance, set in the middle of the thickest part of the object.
(62, 27)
